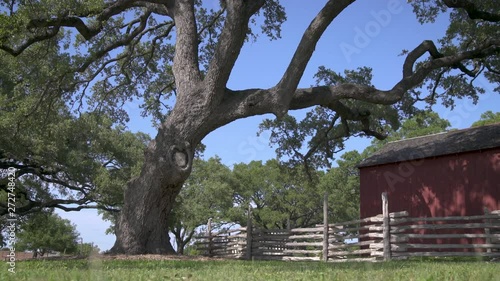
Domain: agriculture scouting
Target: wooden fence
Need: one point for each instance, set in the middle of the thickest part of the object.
(382, 237)
(446, 236)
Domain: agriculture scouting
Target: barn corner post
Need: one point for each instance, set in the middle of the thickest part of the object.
(386, 227)
(210, 239)
(249, 233)
(325, 227)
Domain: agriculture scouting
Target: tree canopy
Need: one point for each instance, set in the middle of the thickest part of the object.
(62, 155)
(80, 60)
(487, 118)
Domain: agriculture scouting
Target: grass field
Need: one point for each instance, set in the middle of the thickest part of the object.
(96, 269)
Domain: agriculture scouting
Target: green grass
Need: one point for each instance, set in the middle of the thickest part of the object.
(425, 270)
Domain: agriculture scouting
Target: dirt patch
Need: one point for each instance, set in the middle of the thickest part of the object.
(130, 257)
(153, 257)
(29, 256)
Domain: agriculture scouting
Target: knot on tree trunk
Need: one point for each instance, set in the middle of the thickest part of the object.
(181, 156)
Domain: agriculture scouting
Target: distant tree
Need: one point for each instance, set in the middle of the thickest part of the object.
(3, 225)
(421, 124)
(88, 249)
(278, 194)
(487, 118)
(342, 185)
(46, 231)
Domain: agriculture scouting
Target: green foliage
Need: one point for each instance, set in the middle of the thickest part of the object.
(46, 231)
(88, 249)
(422, 124)
(82, 157)
(487, 118)
(463, 33)
(315, 140)
(274, 17)
(121, 53)
(342, 185)
(278, 195)
(208, 193)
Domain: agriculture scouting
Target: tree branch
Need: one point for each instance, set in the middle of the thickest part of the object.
(472, 11)
(250, 102)
(119, 43)
(34, 206)
(185, 68)
(305, 49)
(75, 22)
(229, 44)
(40, 198)
(53, 25)
(16, 51)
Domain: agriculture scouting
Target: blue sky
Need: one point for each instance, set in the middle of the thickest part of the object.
(368, 33)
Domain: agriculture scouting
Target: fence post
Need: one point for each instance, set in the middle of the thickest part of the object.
(209, 234)
(249, 233)
(386, 227)
(325, 227)
(487, 231)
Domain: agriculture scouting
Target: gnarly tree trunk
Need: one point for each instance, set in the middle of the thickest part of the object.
(143, 225)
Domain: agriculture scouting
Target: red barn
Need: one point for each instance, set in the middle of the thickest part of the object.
(448, 174)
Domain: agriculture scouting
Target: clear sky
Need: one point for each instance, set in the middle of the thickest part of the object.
(368, 33)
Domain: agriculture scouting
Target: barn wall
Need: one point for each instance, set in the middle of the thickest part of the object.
(451, 185)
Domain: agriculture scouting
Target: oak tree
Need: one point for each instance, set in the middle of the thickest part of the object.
(45, 231)
(280, 195)
(177, 55)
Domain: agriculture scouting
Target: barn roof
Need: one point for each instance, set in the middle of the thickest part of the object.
(457, 141)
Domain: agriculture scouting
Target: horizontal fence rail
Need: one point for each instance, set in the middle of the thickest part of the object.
(382, 237)
(447, 236)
